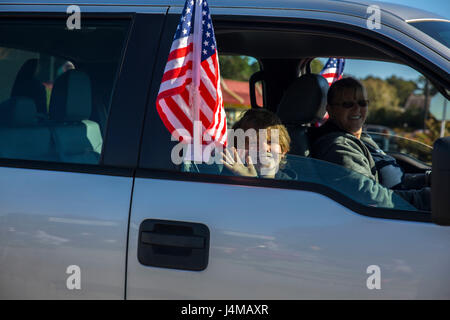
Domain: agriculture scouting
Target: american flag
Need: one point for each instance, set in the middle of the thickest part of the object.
(333, 69)
(190, 87)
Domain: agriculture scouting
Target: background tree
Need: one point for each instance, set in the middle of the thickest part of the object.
(316, 66)
(237, 67)
(383, 102)
(412, 118)
(428, 90)
(380, 93)
(404, 88)
(431, 134)
(421, 83)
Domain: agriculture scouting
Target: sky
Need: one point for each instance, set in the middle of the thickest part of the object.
(363, 68)
(441, 7)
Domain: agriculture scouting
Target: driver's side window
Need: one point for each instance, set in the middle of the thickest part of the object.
(396, 98)
(405, 109)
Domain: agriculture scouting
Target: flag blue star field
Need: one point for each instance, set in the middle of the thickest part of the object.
(333, 69)
(190, 87)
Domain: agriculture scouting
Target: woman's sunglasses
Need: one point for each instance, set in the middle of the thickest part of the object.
(350, 104)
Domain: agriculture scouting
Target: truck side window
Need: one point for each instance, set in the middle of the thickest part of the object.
(56, 86)
(399, 91)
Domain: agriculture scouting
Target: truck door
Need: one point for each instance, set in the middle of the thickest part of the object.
(200, 234)
(71, 104)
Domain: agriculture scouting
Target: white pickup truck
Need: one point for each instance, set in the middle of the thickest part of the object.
(92, 207)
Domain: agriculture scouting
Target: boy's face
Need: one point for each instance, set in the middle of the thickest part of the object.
(268, 152)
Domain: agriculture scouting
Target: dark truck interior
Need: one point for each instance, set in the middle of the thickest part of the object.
(69, 124)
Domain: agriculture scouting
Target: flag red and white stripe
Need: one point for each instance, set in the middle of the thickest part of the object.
(190, 87)
(332, 71)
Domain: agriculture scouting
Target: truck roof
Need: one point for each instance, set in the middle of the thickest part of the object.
(339, 6)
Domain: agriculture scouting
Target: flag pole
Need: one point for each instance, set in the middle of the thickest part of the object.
(197, 47)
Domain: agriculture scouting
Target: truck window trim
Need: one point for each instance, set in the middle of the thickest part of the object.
(367, 37)
(356, 207)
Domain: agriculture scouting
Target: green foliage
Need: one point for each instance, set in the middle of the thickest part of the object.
(237, 67)
(404, 88)
(408, 120)
(390, 117)
(412, 118)
(381, 94)
(431, 134)
(48, 93)
(316, 66)
(387, 97)
(422, 82)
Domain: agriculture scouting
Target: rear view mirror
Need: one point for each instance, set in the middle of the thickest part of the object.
(440, 182)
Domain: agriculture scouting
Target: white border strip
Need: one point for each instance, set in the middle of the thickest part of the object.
(426, 19)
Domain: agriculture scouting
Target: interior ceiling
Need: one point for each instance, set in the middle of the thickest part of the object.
(283, 44)
(59, 41)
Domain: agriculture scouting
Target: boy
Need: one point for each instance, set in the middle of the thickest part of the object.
(266, 142)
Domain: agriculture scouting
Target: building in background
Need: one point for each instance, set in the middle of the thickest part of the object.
(236, 98)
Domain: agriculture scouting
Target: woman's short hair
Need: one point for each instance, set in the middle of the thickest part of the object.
(340, 85)
(264, 119)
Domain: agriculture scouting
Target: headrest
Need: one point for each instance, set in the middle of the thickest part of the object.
(28, 69)
(71, 97)
(27, 85)
(18, 111)
(304, 101)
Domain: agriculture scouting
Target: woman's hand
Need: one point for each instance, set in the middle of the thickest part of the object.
(234, 164)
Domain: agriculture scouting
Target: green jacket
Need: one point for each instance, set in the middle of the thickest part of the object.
(346, 150)
(332, 144)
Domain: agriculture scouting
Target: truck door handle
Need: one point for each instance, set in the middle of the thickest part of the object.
(157, 239)
(173, 244)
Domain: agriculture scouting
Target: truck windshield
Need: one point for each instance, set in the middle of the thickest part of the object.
(439, 30)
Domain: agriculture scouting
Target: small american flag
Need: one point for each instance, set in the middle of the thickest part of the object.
(190, 87)
(333, 69)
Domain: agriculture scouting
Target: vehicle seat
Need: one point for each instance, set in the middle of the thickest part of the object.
(77, 139)
(27, 85)
(303, 103)
(21, 137)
